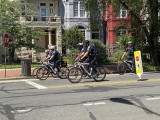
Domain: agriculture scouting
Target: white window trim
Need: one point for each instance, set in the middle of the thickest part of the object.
(96, 32)
(79, 16)
(120, 12)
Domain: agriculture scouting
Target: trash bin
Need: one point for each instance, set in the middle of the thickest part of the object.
(26, 66)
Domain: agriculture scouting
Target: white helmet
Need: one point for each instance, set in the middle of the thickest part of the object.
(80, 44)
(46, 51)
(129, 42)
(51, 47)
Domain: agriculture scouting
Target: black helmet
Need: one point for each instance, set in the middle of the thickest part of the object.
(86, 42)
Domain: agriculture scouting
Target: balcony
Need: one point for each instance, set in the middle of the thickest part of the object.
(41, 21)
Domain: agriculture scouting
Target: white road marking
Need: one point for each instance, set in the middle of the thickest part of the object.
(35, 84)
(100, 103)
(21, 111)
(156, 98)
(97, 103)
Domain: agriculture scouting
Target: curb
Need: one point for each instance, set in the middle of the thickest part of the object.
(16, 78)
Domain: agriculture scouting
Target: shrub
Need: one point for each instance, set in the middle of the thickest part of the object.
(117, 56)
(102, 56)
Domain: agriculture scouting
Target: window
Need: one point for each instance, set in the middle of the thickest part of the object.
(51, 10)
(95, 35)
(121, 32)
(122, 13)
(82, 9)
(42, 4)
(51, 5)
(75, 9)
(78, 9)
(82, 29)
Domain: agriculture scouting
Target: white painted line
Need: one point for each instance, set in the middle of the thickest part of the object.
(88, 104)
(35, 84)
(157, 98)
(97, 103)
(21, 111)
(100, 103)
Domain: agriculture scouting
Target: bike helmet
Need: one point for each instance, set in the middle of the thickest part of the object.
(129, 42)
(86, 42)
(51, 47)
(80, 44)
(46, 51)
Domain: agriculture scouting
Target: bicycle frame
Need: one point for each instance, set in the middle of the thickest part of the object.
(82, 66)
(128, 64)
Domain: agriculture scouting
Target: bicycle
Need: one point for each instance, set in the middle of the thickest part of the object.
(75, 73)
(124, 66)
(44, 71)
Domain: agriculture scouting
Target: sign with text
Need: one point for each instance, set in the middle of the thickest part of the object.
(6, 40)
(138, 63)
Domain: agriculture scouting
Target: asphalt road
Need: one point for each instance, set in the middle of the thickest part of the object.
(119, 97)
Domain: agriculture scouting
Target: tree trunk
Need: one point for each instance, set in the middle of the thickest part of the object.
(154, 31)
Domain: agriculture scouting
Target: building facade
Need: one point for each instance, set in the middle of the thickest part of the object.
(116, 24)
(47, 18)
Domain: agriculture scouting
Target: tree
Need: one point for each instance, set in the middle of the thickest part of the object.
(144, 17)
(71, 38)
(19, 34)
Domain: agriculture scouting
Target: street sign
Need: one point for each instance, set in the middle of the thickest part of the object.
(138, 63)
(6, 40)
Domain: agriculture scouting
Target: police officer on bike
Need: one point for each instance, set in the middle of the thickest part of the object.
(55, 57)
(82, 51)
(130, 49)
(90, 53)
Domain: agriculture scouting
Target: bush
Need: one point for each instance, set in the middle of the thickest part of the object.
(117, 56)
(102, 56)
(123, 40)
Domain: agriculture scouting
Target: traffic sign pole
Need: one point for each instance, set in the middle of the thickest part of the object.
(5, 61)
(6, 42)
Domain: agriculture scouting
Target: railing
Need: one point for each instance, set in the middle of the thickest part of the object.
(36, 18)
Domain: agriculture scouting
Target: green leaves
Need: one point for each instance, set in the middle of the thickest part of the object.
(72, 37)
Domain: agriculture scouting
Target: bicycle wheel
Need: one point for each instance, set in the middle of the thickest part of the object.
(75, 75)
(43, 73)
(62, 73)
(99, 74)
(67, 70)
(34, 73)
(121, 68)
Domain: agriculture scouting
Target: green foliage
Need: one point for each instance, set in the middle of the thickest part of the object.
(19, 34)
(123, 40)
(101, 57)
(116, 56)
(95, 8)
(71, 37)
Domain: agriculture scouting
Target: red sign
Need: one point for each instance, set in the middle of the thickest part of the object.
(137, 58)
(6, 39)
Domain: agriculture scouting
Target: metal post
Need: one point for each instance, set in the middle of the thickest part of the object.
(5, 61)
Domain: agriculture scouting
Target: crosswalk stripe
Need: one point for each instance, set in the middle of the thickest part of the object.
(35, 84)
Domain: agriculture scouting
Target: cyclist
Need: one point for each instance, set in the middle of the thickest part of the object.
(82, 50)
(130, 49)
(55, 57)
(90, 53)
(47, 56)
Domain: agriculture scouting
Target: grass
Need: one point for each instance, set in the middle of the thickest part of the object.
(18, 66)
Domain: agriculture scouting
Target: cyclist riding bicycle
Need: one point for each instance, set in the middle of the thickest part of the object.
(55, 57)
(130, 49)
(82, 51)
(47, 56)
(90, 53)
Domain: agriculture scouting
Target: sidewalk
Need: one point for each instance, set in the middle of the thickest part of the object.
(14, 74)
